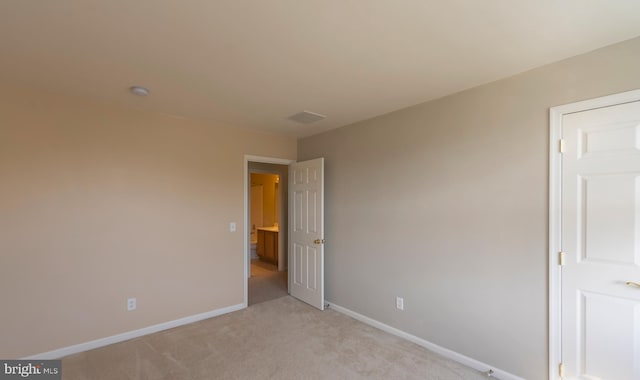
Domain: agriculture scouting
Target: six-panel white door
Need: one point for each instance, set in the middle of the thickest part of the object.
(306, 231)
(601, 240)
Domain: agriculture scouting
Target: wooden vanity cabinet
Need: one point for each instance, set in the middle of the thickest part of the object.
(267, 247)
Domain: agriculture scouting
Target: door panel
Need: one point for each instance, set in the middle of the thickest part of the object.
(609, 138)
(298, 264)
(600, 238)
(609, 342)
(307, 231)
(610, 218)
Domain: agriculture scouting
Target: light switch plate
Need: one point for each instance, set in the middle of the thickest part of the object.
(131, 304)
(399, 303)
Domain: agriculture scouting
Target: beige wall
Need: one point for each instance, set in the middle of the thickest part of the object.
(98, 204)
(445, 204)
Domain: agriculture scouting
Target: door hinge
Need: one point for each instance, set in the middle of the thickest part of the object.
(561, 145)
(561, 370)
(561, 257)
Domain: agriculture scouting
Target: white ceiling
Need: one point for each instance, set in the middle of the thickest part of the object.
(253, 63)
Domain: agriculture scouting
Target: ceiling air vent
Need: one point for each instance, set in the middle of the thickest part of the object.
(306, 117)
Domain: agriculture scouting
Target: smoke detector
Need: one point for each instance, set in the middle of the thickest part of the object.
(306, 117)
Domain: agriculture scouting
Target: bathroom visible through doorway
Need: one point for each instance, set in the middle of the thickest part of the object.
(267, 231)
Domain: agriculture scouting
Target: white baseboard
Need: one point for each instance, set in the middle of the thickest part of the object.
(469, 362)
(70, 350)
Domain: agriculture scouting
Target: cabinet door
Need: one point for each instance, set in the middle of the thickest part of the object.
(260, 248)
(275, 248)
(269, 247)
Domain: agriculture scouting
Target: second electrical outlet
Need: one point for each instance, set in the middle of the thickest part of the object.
(399, 303)
(131, 304)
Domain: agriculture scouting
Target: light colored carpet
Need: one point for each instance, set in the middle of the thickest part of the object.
(279, 339)
(266, 283)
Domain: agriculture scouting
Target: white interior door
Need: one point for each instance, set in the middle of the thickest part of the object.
(600, 236)
(306, 231)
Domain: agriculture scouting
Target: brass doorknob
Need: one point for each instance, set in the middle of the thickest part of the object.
(633, 284)
(318, 241)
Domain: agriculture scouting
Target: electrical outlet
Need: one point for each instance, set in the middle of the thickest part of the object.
(131, 304)
(399, 303)
(232, 227)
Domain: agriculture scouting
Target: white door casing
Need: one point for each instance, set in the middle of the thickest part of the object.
(595, 223)
(306, 231)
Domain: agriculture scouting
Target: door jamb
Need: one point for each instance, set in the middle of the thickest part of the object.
(555, 215)
(246, 221)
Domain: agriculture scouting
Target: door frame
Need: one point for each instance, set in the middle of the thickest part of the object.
(555, 214)
(246, 214)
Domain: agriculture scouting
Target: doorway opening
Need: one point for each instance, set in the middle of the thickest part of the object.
(266, 226)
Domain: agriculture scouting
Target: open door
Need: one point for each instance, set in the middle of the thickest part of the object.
(306, 231)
